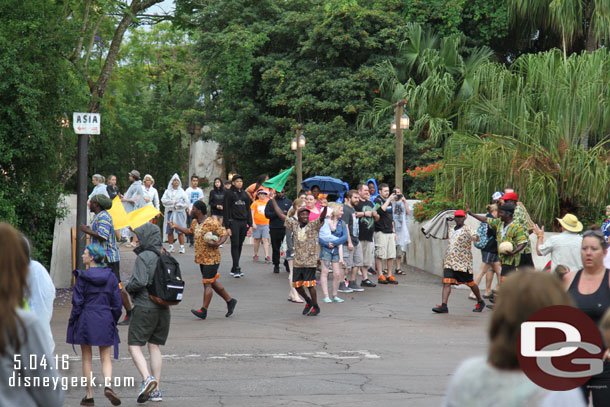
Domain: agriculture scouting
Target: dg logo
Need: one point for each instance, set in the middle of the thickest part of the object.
(560, 348)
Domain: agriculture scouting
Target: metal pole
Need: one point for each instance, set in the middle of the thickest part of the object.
(398, 159)
(299, 132)
(81, 197)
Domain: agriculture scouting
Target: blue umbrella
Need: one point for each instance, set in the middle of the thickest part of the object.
(327, 185)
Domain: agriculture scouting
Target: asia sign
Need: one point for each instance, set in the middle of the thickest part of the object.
(86, 123)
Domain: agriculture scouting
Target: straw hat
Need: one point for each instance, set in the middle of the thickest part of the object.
(571, 223)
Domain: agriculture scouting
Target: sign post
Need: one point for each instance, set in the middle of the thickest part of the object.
(84, 124)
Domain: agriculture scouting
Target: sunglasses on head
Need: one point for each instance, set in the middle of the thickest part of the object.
(596, 233)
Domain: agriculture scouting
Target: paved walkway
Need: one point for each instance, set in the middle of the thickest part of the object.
(383, 347)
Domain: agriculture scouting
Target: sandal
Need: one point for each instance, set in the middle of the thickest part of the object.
(400, 272)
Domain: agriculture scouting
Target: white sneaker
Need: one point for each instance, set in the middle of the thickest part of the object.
(182, 250)
(171, 248)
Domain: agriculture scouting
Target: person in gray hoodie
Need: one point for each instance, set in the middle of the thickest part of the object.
(149, 321)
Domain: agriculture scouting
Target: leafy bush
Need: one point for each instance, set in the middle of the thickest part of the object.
(433, 204)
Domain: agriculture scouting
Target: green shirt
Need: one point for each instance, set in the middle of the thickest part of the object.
(514, 233)
(519, 217)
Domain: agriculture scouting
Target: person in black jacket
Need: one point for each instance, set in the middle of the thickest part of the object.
(277, 231)
(111, 187)
(216, 199)
(237, 218)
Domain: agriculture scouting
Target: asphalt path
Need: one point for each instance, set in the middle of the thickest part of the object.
(382, 347)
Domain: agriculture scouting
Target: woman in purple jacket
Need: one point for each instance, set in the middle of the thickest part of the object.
(96, 309)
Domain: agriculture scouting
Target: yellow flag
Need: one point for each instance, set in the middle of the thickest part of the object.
(118, 214)
(139, 217)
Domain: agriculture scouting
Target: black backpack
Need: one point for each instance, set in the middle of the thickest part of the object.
(167, 286)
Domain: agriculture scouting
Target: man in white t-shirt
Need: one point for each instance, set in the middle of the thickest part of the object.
(194, 194)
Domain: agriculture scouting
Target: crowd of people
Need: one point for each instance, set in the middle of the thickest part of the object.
(362, 235)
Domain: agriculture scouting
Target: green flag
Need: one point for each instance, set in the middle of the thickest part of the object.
(277, 183)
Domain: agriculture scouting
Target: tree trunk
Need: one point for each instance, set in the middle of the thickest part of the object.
(99, 88)
(591, 40)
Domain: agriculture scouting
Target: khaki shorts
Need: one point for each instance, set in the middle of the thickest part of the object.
(367, 253)
(148, 325)
(385, 245)
(353, 258)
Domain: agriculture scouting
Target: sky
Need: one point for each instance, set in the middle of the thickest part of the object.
(167, 6)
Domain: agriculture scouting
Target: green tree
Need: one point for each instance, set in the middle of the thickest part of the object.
(37, 90)
(580, 24)
(152, 104)
(270, 65)
(540, 128)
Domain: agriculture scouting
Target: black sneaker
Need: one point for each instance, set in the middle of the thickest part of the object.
(231, 307)
(479, 307)
(354, 287)
(367, 283)
(237, 272)
(87, 402)
(200, 313)
(315, 310)
(441, 309)
(307, 308)
(372, 271)
(276, 269)
(490, 306)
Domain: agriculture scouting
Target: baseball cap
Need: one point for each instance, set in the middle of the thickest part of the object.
(135, 174)
(497, 195)
(459, 212)
(236, 177)
(510, 196)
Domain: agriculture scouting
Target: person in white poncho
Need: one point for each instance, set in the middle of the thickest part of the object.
(175, 202)
(150, 194)
(132, 200)
(403, 215)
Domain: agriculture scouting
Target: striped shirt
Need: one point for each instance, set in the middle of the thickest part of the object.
(103, 225)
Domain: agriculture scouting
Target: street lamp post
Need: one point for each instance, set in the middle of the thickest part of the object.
(402, 120)
(297, 145)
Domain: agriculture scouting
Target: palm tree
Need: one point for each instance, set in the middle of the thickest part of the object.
(435, 74)
(571, 19)
(541, 127)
